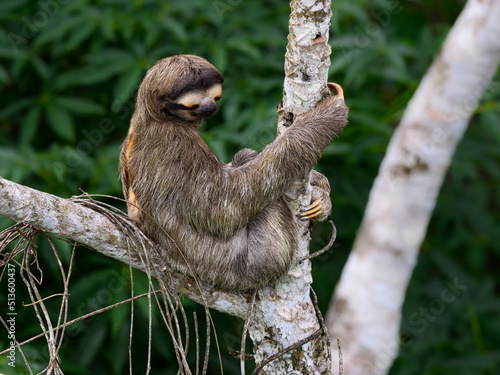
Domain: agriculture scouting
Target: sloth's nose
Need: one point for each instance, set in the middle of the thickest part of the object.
(209, 109)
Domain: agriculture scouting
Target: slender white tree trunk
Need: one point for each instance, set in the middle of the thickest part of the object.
(365, 312)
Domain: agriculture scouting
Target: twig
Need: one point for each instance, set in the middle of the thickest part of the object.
(341, 360)
(131, 332)
(244, 334)
(197, 337)
(64, 302)
(327, 247)
(207, 348)
(95, 312)
(322, 323)
(286, 350)
(237, 354)
(44, 318)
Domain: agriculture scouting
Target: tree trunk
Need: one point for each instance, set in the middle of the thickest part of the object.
(285, 314)
(365, 312)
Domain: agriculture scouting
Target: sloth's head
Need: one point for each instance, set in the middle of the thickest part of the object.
(185, 87)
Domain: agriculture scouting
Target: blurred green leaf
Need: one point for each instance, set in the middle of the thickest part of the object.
(29, 126)
(81, 32)
(79, 105)
(176, 28)
(128, 82)
(95, 335)
(246, 48)
(108, 25)
(18, 65)
(220, 57)
(41, 67)
(10, 51)
(56, 30)
(9, 6)
(91, 74)
(61, 122)
(4, 76)
(346, 8)
(15, 107)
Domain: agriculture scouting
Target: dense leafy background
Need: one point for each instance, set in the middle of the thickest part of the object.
(68, 74)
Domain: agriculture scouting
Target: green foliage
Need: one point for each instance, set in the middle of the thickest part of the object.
(68, 74)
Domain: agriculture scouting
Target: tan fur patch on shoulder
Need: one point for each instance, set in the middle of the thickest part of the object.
(132, 207)
(129, 147)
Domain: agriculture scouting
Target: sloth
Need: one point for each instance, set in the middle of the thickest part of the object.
(225, 224)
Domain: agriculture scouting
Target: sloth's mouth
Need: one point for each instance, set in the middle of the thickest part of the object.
(204, 113)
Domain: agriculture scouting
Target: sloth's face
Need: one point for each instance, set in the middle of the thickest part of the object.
(196, 105)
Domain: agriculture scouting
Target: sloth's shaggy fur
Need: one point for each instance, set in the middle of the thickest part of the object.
(226, 223)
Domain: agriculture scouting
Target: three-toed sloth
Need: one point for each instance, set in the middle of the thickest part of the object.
(226, 224)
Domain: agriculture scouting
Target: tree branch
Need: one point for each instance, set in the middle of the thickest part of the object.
(365, 312)
(92, 229)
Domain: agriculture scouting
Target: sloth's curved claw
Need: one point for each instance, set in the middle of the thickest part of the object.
(337, 89)
(313, 210)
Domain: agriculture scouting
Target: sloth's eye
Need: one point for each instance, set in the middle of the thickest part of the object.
(193, 107)
(217, 98)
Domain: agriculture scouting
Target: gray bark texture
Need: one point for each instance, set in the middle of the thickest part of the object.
(285, 314)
